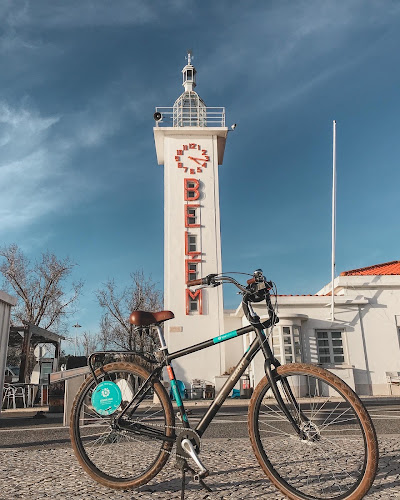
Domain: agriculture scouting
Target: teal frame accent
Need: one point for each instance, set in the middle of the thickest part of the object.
(225, 336)
(176, 392)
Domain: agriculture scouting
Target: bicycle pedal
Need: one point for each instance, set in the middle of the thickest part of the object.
(199, 476)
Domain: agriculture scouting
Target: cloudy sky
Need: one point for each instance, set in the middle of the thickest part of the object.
(79, 83)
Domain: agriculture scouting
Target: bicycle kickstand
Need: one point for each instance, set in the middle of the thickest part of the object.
(195, 478)
(184, 467)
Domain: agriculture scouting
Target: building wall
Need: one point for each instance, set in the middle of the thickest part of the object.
(186, 330)
(367, 312)
(378, 325)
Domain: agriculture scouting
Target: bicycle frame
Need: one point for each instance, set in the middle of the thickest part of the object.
(229, 384)
(260, 342)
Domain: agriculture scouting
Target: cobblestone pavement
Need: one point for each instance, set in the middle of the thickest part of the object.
(55, 473)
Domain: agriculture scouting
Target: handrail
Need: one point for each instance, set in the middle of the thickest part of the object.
(186, 117)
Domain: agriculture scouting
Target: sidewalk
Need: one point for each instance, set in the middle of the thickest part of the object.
(235, 475)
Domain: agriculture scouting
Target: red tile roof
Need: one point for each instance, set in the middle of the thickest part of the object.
(388, 268)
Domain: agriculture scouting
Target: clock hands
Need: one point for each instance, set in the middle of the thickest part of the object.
(200, 161)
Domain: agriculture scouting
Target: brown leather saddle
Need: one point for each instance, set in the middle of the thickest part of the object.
(146, 318)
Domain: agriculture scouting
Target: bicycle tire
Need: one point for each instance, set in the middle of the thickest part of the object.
(118, 458)
(319, 464)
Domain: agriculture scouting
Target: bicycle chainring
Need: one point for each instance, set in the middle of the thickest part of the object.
(187, 434)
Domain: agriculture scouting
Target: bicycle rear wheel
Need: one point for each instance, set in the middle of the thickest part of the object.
(117, 457)
(337, 455)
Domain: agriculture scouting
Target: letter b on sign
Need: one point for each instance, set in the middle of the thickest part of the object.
(192, 191)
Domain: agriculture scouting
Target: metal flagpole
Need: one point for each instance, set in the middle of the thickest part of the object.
(333, 220)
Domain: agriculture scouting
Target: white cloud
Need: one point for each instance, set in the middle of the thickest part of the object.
(37, 171)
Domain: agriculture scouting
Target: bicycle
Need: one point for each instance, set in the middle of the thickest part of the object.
(309, 431)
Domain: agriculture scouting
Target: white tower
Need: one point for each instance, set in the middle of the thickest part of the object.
(190, 142)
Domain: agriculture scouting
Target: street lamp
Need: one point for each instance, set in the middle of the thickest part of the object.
(76, 326)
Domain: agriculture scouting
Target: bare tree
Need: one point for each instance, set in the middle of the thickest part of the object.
(88, 343)
(116, 331)
(40, 287)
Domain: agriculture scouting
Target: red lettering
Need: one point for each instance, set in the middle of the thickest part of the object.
(191, 271)
(191, 189)
(191, 215)
(197, 296)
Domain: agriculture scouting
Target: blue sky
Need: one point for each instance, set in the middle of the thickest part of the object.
(79, 84)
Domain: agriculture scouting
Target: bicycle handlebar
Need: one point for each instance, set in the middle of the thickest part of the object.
(254, 284)
(257, 289)
(196, 282)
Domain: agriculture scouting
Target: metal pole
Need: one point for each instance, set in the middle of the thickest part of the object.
(76, 339)
(333, 220)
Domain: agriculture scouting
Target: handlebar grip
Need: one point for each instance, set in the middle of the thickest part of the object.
(195, 282)
(251, 281)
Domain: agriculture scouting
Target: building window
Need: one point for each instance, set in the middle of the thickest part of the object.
(191, 269)
(191, 216)
(191, 189)
(286, 344)
(193, 305)
(192, 243)
(330, 347)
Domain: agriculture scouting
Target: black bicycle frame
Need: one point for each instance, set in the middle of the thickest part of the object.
(260, 342)
(231, 381)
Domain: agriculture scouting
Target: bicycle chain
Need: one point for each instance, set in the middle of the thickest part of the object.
(181, 429)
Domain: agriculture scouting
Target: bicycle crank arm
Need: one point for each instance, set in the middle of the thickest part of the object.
(188, 447)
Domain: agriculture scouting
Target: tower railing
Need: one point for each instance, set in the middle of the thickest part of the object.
(207, 117)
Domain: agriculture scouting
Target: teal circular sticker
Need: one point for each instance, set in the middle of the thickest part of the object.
(106, 398)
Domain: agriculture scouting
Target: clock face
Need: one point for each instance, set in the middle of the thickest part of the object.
(192, 158)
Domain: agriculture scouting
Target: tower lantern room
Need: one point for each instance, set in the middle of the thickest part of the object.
(189, 109)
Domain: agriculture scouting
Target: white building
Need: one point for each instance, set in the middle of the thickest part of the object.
(361, 344)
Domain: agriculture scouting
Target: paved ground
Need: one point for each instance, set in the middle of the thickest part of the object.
(44, 474)
(34, 470)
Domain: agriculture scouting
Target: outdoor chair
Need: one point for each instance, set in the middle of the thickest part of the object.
(393, 378)
(11, 392)
(182, 390)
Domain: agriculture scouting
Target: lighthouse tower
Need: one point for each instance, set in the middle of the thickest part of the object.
(190, 142)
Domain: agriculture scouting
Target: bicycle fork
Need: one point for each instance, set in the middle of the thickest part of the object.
(269, 359)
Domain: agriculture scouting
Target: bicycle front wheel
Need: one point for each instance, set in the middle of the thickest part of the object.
(335, 456)
(127, 455)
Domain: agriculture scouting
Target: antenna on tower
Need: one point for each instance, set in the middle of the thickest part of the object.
(189, 56)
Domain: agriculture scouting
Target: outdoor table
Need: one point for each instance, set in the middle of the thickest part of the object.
(30, 391)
